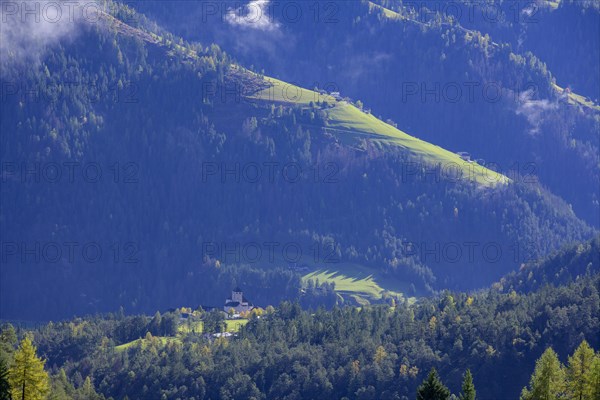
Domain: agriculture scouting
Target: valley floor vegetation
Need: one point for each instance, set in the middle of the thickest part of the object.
(485, 343)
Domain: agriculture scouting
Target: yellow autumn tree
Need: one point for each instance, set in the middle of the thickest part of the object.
(432, 323)
(355, 367)
(413, 372)
(27, 377)
(380, 354)
(403, 370)
(579, 377)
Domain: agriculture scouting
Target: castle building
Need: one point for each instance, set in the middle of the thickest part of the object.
(237, 302)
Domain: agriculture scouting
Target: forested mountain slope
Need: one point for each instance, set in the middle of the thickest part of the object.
(376, 352)
(566, 265)
(116, 190)
(464, 87)
(555, 31)
(144, 175)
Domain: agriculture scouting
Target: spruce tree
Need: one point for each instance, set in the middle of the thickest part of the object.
(432, 388)
(4, 385)
(62, 389)
(87, 390)
(27, 378)
(548, 379)
(579, 383)
(468, 388)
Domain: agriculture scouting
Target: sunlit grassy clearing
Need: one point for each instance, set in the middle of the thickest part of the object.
(361, 281)
(163, 341)
(575, 98)
(387, 12)
(348, 122)
(289, 93)
(349, 284)
(349, 118)
(232, 325)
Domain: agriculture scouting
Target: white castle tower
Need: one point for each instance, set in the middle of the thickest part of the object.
(237, 302)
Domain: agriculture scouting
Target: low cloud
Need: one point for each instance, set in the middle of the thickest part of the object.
(254, 15)
(534, 110)
(29, 28)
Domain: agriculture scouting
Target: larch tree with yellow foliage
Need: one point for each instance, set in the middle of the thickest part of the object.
(579, 377)
(380, 355)
(547, 381)
(27, 377)
(580, 380)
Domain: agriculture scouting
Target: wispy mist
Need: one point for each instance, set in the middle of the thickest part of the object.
(254, 15)
(534, 110)
(29, 29)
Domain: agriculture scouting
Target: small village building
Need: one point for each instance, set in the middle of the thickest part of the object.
(336, 95)
(464, 155)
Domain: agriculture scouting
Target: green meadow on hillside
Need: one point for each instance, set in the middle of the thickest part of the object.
(232, 325)
(350, 123)
(163, 340)
(576, 99)
(359, 283)
(386, 11)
